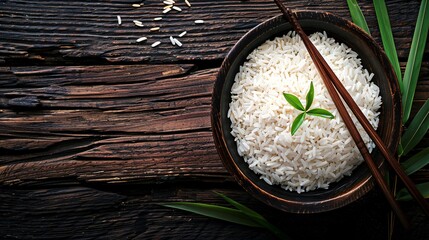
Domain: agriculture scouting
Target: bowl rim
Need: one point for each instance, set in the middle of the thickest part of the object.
(289, 205)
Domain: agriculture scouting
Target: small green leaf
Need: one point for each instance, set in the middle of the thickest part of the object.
(297, 122)
(357, 15)
(294, 101)
(416, 162)
(403, 194)
(412, 70)
(310, 96)
(417, 130)
(319, 112)
(214, 211)
(387, 38)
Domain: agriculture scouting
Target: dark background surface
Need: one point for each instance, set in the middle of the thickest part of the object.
(95, 129)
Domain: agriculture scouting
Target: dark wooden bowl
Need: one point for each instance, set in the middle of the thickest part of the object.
(373, 58)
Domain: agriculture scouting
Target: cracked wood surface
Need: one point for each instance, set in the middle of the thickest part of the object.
(96, 128)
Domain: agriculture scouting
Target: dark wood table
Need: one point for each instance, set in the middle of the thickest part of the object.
(95, 128)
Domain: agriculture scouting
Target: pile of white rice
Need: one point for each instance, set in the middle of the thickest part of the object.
(322, 150)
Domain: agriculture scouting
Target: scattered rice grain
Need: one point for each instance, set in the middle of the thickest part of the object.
(188, 3)
(119, 20)
(177, 42)
(138, 23)
(155, 44)
(157, 19)
(177, 8)
(172, 40)
(166, 10)
(154, 29)
(182, 34)
(141, 39)
(136, 5)
(199, 21)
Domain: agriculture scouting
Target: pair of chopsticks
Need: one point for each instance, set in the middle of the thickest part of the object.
(333, 85)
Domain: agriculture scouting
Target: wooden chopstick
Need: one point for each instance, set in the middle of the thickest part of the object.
(328, 75)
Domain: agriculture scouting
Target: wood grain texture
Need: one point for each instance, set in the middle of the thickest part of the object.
(68, 31)
(79, 212)
(140, 123)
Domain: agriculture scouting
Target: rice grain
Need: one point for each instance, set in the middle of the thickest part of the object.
(177, 8)
(166, 10)
(141, 39)
(177, 42)
(172, 40)
(138, 23)
(155, 44)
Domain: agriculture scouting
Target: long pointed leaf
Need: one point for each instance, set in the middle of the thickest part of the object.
(357, 15)
(297, 122)
(403, 194)
(256, 217)
(416, 162)
(249, 212)
(319, 112)
(294, 101)
(387, 38)
(417, 130)
(214, 211)
(414, 63)
(310, 96)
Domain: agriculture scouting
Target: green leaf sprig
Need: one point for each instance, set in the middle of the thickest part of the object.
(296, 103)
(240, 214)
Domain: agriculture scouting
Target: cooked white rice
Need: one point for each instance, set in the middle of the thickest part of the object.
(322, 150)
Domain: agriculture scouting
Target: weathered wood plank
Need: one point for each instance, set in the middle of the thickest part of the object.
(115, 124)
(87, 213)
(70, 31)
(107, 124)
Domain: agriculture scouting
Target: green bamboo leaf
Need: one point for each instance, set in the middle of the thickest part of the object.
(256, 217)
(319, 112)
(357, 15)
(416, 162)
(414, 63)
(403, 194)
(297, 122)
(214, 211)
(387, 38)
(249, 212)
(417, 130)
(310, 96)
(294, 101)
